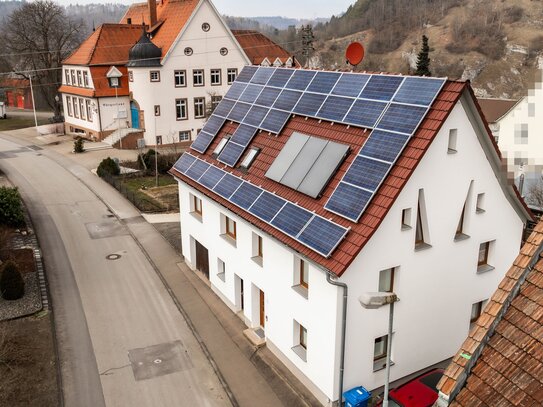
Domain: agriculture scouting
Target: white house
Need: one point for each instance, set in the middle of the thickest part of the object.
(306, 188)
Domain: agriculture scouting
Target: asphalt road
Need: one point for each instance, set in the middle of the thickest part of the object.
(122, 341)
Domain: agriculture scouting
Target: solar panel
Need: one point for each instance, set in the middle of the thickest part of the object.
(335, 108)
(322, 235)
(402, 118)
(350, 84)
(366, 173)
(243, 134)
(246, 195)
(287, 100)
(227, 185)
(246, 73)
(262, 75)
(381, 87)
(291, 219)
(418, 91)
(224, 107)
(348, 201)
(184, 162)
(300, 79)
(267, 206)
(231, 154)
(239, 111)
(197, 169)
(268, 96)
(364, 113)
(251, 93)
(202, 142)
(309, 104)
(323, 82)
(235, 90)
(275, 121)
(255, 116)
(280, 77)
(384, 145)
(210, 178)
(213, 124)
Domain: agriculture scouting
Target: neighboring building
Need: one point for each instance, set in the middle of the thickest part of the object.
(262, 51)
(493, 110)
(279, 211)
(92, 107)
(501, 361)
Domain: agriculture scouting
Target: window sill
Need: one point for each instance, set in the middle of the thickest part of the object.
(422, 246)
(479, 210)
(460, 236)
(381, 364)
(229, 239)
(222, 276)
(451, 151)
(257, 260)
(406, 227)
(300, 289)
(300, 351)
(483, 268)
(196, 216)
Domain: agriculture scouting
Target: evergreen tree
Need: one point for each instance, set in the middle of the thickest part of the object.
(423, 59)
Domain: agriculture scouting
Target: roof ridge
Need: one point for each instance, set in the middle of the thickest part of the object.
(91, 54)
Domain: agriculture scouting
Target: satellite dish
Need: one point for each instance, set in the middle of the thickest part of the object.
(354, 53)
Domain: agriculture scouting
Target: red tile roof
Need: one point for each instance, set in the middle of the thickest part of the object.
(101, 84)
(108, 45)
(258, 47)
(501, 362)
(172, 16)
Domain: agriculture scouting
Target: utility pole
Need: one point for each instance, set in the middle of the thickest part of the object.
(33, 103)
(307, 43)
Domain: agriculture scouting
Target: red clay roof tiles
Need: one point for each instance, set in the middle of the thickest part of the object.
(258, 47)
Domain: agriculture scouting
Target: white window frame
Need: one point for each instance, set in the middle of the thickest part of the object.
(180, 78)
(180, 108)
(198, 77)
(216, 77)
(199, 107)
(185, 133)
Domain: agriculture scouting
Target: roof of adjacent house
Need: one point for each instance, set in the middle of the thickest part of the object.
(172, 15)
(101, 84)
(108, 45)
(501, 362)
(258, 48)
(494, 109)
(355, 137)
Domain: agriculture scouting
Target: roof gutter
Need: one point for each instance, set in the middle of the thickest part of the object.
(343, 330)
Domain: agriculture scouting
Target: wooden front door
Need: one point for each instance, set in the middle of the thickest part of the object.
(262, 313)
(202, 259)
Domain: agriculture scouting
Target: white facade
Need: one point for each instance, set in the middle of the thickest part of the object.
(436, 285)
(206, 55)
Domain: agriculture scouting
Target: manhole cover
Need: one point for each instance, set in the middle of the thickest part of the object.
(113, 256)
(157, 361)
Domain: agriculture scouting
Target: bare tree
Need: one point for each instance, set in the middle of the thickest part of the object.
(39, 35)
(534, 194)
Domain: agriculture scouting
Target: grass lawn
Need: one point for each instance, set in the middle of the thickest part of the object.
(18, 122)
(135, 186)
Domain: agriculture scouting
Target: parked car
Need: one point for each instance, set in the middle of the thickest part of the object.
(418, 392)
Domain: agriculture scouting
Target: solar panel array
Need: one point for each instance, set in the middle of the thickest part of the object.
(313, 231)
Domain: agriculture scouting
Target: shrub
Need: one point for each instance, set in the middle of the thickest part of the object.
(108, 167)
(79, 145)
(11, 207)
(12, 285)
(165, 161)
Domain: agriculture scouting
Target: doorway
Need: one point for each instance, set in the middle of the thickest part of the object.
(202, 258)
(135, 114)
(262, 311)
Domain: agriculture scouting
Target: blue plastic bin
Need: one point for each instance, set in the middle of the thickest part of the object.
(357, 397)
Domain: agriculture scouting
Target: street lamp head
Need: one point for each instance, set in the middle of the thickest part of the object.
(372, 300)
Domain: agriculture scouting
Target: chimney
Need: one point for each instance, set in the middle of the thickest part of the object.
(152, 12)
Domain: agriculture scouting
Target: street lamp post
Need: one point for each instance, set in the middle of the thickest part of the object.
(377, 300)
(114, 77)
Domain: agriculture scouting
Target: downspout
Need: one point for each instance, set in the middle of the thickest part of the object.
(99, 118)
(343, 329)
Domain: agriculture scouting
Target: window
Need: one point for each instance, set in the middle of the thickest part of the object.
(198, 77)
(480, 207)
(220, 146)
(158, 140)
(303, 337)
(69, 105)
(419, 234)
(67, 76)
(157, 110)
(215, 100)
(476, 310)
(223, 51)
(180, 78)
(386, 280)
(460, 227)
(196, 205)
(155, 76)
(130, 76)
(406, 219)
(422, 240)
(76, 107)
(181, 109)
(215, 77)
(82, 108)
(300, 340)
(199, 108)
(249, 157)
(205, 27)
(86, 79)
(74, 83)
(230, 227)
(484, 255)
(114, 82)
(188, 51)
(184, 135)
(89, 111)
(221, 269)
(257, 252)
(304, 274)
(452, 141)
(79, 79)
(231, 75)
(380, 352)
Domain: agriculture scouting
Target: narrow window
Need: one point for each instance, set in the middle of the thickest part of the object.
(231, 75)
(69, 105)
(460, 226)
(249, 158)
(82, 109)
(199, 108)
(79, 80)
(74, 83)
(158, 140)
(406, 219)
(221, 269)
(483, 254)
(419, 235)
(181, 109)
(215, 77)
(422, 240)
(89, 111)
(260, 252)
(86, 79)
(386, 280)
(76, 107)
(380, 352)
(215, 100)
(130, 76)
(198, 77)
(220, 146)
(184, 135)
(230, 228)
(304, 274)
(476, 310)
(300, 340)
(67, 76)
(157, 110)
(452, 141)
(180, 78)
(196, 205)
(154, 76)
(303, 337)
(480, 208)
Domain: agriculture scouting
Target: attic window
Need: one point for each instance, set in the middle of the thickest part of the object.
(188, 51)
(249, 158)
(128, 20)
(452, 141)
(220, 146)
(205, 27)
(307, 163)
(223, 51)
